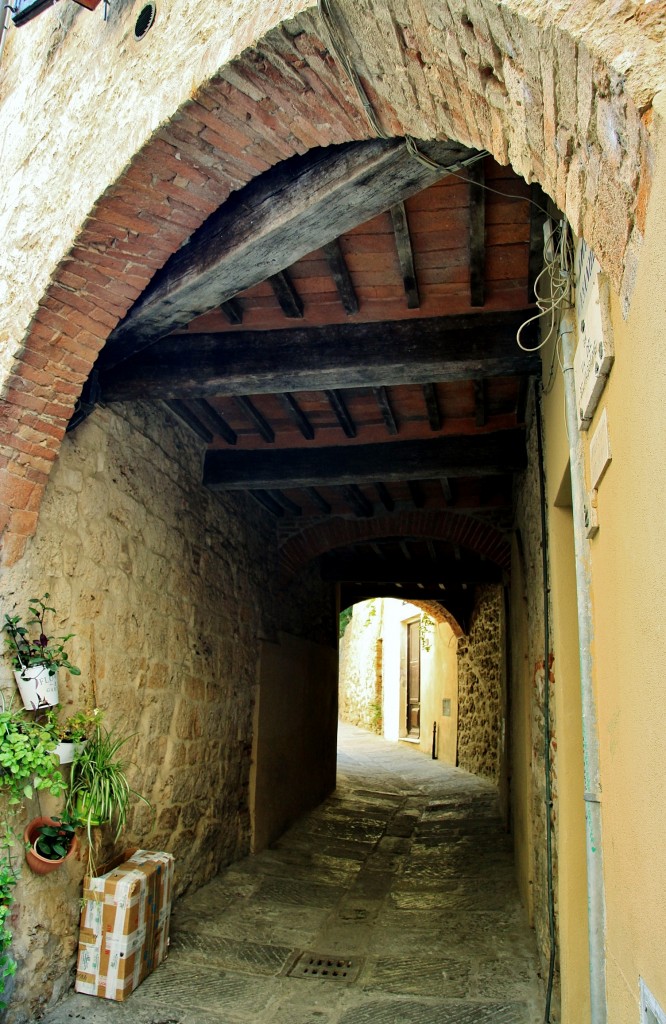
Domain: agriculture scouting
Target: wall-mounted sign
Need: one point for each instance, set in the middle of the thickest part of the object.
(595, 352)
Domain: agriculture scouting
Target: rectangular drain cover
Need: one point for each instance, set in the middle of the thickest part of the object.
(326, 968)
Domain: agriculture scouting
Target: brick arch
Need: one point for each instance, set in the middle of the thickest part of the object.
(500, 77)
(434, 609)
(473, 534)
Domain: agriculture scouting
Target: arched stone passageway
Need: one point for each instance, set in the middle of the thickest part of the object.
(559, 95)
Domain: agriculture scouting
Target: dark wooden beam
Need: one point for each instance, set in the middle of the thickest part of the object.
(341, 411)
(186, 416)
(475, 455)
(538, 209)
(319, 501)
(406, 554)
(480, 404)
(416, 493)
(212, 419)
(384, 403)
(339, 271)
(477, 234)
(405, 255)
(286, 213)
(286, 503)
(358, 501)
(432, 405)
(385, 497)
(268, 503)
(299, 417)
(432, 553)
(233, 311)
(253, 414)
(446, 489)
(338, 355)
(290, 301)
(357, 569)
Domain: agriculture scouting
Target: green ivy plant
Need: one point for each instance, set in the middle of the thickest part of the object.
(26, 650)
(7, 962)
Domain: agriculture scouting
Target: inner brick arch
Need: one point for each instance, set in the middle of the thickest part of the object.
(496, 76)
(472, 534)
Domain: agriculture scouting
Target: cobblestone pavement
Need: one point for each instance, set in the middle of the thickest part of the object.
(392, 903)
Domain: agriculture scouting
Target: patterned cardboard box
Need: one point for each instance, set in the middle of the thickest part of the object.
(124, 924)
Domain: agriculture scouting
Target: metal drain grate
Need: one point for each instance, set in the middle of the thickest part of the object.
(326, 968)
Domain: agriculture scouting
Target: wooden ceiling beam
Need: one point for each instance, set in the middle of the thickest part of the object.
(419, 351)
(233, 311)
(385, 497)
(261, 423)
(337, 403)
(299, 417)
(384, 403)
(432, 406)
(286, 503)
(477, 234)
(405, 253)
(358, 501)
(319, 500)
(265, 500)
(416, 493)
(480, 403)
(284, 214)
(285, 292)
(190, 419)
(469, 456)
(212, 419)
(339, 271)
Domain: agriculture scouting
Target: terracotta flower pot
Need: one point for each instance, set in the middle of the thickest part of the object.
(42, 865)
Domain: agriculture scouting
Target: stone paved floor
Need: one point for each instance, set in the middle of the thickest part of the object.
(403, 880)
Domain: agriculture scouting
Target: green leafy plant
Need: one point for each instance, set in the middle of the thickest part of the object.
(27, 762)
(345, 619)
(99, 792)
(26, 650)
(77, 727)
(7, 962)
(54, 841)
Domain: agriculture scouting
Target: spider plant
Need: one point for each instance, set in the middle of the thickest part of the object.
(99, 792)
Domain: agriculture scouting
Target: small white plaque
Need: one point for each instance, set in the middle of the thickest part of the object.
(595, 352)
(600, 450)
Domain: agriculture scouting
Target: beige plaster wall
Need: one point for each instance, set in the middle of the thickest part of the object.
(629, 585)
(294, 751)
(169, 590)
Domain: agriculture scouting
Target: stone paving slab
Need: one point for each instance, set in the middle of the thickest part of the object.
(405, 871)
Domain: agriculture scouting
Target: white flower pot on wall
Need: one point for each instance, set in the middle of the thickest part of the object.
(66, 750)
(38, 688)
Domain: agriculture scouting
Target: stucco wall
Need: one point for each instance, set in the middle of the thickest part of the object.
(168, 589)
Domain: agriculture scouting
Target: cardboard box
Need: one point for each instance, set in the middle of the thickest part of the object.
(124, 924)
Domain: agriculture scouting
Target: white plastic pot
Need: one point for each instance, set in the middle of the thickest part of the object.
(67, 750)
(38, 688)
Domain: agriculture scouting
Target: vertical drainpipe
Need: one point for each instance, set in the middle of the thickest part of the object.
(596, 908)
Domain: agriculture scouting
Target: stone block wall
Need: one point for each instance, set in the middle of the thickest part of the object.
(480, 661)
(169, 590)
(360, 687)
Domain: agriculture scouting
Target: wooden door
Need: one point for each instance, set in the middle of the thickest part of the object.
(413, 679)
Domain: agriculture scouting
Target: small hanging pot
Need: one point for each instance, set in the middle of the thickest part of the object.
(67, 750)
(37, 686)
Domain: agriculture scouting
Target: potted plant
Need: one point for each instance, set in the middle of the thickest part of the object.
(49, 842)
(99, 792)
(27, 761)
(72, 733)
(36, 658)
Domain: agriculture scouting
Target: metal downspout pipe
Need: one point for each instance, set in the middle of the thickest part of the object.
(596, 907)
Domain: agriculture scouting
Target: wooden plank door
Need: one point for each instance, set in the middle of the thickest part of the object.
(413, 679)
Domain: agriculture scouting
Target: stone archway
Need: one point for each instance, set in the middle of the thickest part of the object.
(563, 97)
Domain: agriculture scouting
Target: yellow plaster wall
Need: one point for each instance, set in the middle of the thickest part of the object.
(629, 604)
